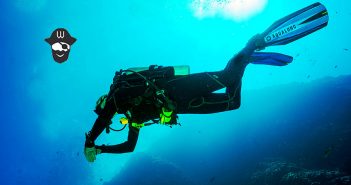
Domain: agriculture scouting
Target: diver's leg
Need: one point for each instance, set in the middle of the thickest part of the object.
(212, 103)
(235, 67)
(193, 85)
(196, 89)
(204, 83)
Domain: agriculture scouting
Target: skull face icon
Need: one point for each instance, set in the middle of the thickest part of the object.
(61, 42)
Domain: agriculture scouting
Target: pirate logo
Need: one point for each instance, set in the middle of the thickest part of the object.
(61, 42)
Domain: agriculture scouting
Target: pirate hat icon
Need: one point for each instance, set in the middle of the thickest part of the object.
(60, 35)
(61, 42)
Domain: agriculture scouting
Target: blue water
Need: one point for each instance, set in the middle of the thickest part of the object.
(47, 107)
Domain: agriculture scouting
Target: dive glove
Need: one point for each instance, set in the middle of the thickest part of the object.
(90, 153)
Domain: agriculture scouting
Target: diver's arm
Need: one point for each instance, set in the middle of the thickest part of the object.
(98, 127)
(103, 120)
(125, 147)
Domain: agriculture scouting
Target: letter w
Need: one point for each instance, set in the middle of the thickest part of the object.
(60, 34)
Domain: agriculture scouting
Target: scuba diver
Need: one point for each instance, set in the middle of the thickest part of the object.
(156, 95)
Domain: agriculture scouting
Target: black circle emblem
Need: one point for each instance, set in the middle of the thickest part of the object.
(268, 38)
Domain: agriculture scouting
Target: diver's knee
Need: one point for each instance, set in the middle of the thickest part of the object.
(131, 147)
(234, 105)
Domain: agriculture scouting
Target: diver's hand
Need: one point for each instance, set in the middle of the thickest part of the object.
(90, 153)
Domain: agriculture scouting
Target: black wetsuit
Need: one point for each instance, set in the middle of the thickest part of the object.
(192, 94)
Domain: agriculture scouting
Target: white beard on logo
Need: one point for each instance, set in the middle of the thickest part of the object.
(60, 51)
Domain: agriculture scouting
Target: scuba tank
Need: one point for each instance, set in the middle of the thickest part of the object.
(137, 75)
(182, 70)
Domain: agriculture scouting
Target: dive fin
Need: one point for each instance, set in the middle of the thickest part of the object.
(296, 25)
(268, 58)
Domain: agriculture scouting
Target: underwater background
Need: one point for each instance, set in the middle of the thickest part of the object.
(293, 127)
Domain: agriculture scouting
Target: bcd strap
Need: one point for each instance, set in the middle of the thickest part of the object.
(138, 125)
